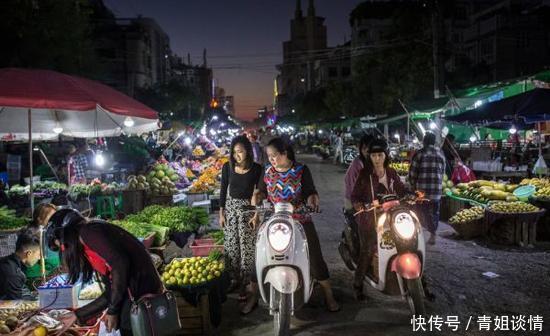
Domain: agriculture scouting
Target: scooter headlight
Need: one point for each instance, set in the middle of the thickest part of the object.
(279, 236)
(404, 225)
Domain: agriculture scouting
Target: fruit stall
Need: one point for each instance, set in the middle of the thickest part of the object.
(503, 212)
(199, 280)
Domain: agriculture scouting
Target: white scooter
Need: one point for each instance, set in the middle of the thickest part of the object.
(398, 263)
(282, 265)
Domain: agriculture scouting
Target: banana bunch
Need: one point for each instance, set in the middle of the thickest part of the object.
(467, 215)
(543, 193)
(539, 183)
(402, 168)
(512, 207)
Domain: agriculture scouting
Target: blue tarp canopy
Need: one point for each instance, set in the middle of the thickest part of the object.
(529, 107)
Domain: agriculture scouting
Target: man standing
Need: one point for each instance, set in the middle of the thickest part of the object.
(78, 163)
(339, 149)
(12, 267)
(426, 175)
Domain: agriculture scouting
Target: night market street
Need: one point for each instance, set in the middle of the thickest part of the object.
(454, 272)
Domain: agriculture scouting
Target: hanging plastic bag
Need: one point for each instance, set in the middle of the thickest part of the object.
(540, 167)
(103, 331)
(462, 174)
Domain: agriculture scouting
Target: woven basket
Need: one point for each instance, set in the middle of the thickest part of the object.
(469, 229)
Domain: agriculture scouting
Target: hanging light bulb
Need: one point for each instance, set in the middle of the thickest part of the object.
(433, 125)
(215, 117)
(396, 135)
(513, 130)
(99, 159)
(128, 122)
(473, 138)
(188, 141)
(57, 129)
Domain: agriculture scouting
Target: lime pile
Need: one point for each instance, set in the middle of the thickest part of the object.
(192, 271)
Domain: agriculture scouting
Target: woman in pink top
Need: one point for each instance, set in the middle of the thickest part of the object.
(355, 168)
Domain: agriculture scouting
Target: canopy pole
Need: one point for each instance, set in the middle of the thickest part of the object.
(31, 173)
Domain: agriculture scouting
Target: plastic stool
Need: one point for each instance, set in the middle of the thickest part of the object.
(105, 206)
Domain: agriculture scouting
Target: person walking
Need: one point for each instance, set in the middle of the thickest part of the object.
(339, 149)
(377, 178)
(286, 180)
(426, 175)
(240, 177)
(95, 246)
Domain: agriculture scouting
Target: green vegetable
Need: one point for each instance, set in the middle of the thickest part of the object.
(9, 221)
(214, 255)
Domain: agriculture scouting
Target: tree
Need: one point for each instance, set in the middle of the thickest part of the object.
(48, 34)
(399, 69)
(173, 100)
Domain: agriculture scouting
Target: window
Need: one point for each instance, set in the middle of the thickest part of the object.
(346, 72)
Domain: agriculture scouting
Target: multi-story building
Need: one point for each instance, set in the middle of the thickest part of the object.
(198, 77)
(308, 64)
(308, 40)
(145, 51)
(480, 40)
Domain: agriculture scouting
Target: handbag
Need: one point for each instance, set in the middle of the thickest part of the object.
(154, 314)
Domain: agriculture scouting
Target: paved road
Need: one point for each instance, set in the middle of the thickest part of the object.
(454, 270)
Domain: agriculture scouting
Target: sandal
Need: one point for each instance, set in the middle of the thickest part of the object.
(245, 311)
(335, 310)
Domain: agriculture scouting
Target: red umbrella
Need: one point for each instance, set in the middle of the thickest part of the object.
(42, 104)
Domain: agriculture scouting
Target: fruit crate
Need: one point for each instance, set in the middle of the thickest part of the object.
(160, 200)
(203, 247)
(133, 201)
(512, 228)
(148, 241)
(195, 320)
(471, 229)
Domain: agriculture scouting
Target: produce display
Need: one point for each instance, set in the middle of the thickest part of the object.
(512, 207)
(137, 183)
(176, 218)
(447, 184)
(207, 181)
(402, 168)
(162, 180)
(467, 215)
(17, 190)
(483, 191)
(94, 188)
(10, 317)
(9, 221)
(193, 271)
(217, 235)
(539, 183)
(543, 193)
(198, 151)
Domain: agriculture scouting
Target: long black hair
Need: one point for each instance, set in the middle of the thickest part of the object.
(283, 147)
(73, 254)
(364, 142)
(249, 159)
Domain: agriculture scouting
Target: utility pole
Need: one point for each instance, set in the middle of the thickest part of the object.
(436, 39)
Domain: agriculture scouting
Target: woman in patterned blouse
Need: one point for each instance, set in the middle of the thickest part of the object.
(286, 180)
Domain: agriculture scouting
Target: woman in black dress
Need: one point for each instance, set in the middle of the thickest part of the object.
(240, 177)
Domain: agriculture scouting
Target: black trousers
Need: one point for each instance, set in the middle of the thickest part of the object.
(318, 266)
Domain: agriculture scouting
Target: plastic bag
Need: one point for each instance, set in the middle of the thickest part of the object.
(462, 174)
(540, 167)
(103, 331)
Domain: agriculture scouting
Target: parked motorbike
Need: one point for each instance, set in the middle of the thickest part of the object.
(398, 263)
(350, 153)
(282, 264)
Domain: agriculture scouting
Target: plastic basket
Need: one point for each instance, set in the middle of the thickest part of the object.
(203, 247)
(469, 229)
(523, 193)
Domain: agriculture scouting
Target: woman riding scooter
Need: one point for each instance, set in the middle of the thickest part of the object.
(286, 180)
(377, 178)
